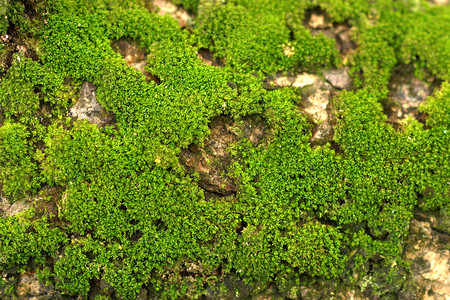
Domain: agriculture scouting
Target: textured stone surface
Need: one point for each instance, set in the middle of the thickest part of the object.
(17, 207)
(178, 13)
(29, 287)
(135, 56)
(339, 78)
(212, 161)
(428, 250)
(87, 107)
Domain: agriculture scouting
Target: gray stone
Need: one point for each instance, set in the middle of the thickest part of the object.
(87, 107)
(17, 207)
(339, 78)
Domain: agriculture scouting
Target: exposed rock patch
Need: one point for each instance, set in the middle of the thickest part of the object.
(406, 93)
(8, 210)
(440, 2)
(29, 287)
(316, 96)
(208, 58)
(318, 22)
(134, 56)
(297, 81)
(339, 78)
(428, 250)
(87, 107)
(212, 161)
(165, 7)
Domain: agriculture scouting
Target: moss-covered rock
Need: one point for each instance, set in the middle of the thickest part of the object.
(119, 211)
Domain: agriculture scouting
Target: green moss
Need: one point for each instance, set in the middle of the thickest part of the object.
(425, 44)
(4, 8)
(24, 237)
(190, 5)
(26, 84)
(136, 218)
(18, 171)
(251, 40)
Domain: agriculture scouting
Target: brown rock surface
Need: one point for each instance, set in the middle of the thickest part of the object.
(29, 287)
(316, 97)
(316, 103)
(339, 78)
(135, 57)
(208, 58)
(176, 12)
(212, 160)
(318, 22)
(429, 253)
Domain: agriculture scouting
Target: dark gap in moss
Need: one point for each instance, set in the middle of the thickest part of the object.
(318, 21)
(370, 231)
(160, 225)
(18, 43)
(6, 58)
(406, 93)
(208, 58)
(47, 205)
(95, 288)
(241, 227)
(212, 159)
(335, 146)
(136, 236)
(134, 222)
(135, 56)
(327, 221)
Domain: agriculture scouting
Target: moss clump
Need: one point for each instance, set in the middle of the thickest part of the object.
(25, 236)
(134, 217)
(18, 170)
(250, 40)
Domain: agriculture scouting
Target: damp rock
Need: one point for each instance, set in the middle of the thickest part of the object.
(339, 78)
(29, 287)
(88, 108)
(428, 251)
(212, 161)
(180, 14)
